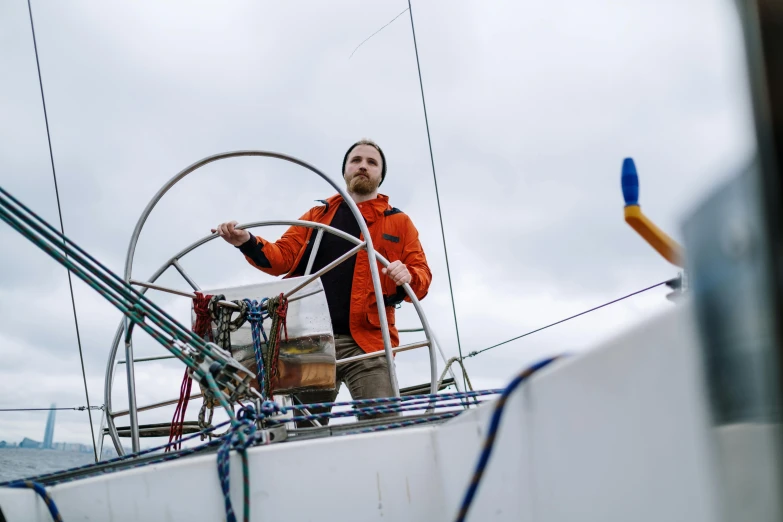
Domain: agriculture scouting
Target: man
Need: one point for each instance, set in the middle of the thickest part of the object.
(348, 287)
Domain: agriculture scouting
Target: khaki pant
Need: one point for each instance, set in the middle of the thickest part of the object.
(366, 379)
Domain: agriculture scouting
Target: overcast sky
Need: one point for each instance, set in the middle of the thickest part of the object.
(532, 108)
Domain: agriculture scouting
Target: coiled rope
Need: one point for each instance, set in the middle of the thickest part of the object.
(277, 308)
(225, 324)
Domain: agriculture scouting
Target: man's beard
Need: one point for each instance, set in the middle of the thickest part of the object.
(362, 185)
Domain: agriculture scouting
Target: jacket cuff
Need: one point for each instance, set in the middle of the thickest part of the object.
(248, 247)
(398, 297)
(415, 285)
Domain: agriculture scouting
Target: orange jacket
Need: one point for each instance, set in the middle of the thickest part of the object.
(393, 236)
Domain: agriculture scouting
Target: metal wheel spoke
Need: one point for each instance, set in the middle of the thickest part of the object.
(185, 276)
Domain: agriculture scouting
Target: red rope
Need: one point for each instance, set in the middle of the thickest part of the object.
(178, 421)
(281, 315)
(203, 325)
(203, 328)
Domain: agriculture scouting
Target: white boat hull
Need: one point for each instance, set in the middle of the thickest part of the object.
(616, 434)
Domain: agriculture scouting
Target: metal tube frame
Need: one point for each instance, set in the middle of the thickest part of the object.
(312, 277)
(314, 252)
(227, 304)
(147, 359)
(404, 348)
(185, 275)
(130, 371)
(372, 255)
(122, 413)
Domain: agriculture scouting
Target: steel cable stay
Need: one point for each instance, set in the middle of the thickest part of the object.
(669, 282)
(437, 193)
(62, 230)
(64, 408)
(378, 31)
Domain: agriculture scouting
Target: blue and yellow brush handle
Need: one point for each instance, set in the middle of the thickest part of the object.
(656, 237)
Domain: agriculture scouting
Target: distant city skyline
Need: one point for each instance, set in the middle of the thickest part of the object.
(50, 444)
(29, 443)
(72, 447)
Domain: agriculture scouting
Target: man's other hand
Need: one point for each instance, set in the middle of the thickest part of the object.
(398, 272)
(233, 235)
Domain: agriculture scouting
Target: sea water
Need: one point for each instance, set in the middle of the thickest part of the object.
(17, 463)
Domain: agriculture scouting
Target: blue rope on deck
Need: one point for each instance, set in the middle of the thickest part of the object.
(41, 491)
(406, 398)
(489, 442)
(369, 410)
(240, 437)
(405, 423)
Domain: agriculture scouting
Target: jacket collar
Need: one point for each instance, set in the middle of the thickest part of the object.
(371, 209)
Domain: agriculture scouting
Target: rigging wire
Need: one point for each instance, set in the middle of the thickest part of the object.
(376, 32)
(76, 408)
(668, 282)
(62, 229)
(437, 194)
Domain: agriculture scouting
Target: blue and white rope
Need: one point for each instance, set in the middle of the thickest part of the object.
(241, 436)
(367, 411)
(489, 442)
(387, 400)
(41, 491)
(256, 316)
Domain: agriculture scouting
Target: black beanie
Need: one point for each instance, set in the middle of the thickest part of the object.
(383, 158)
